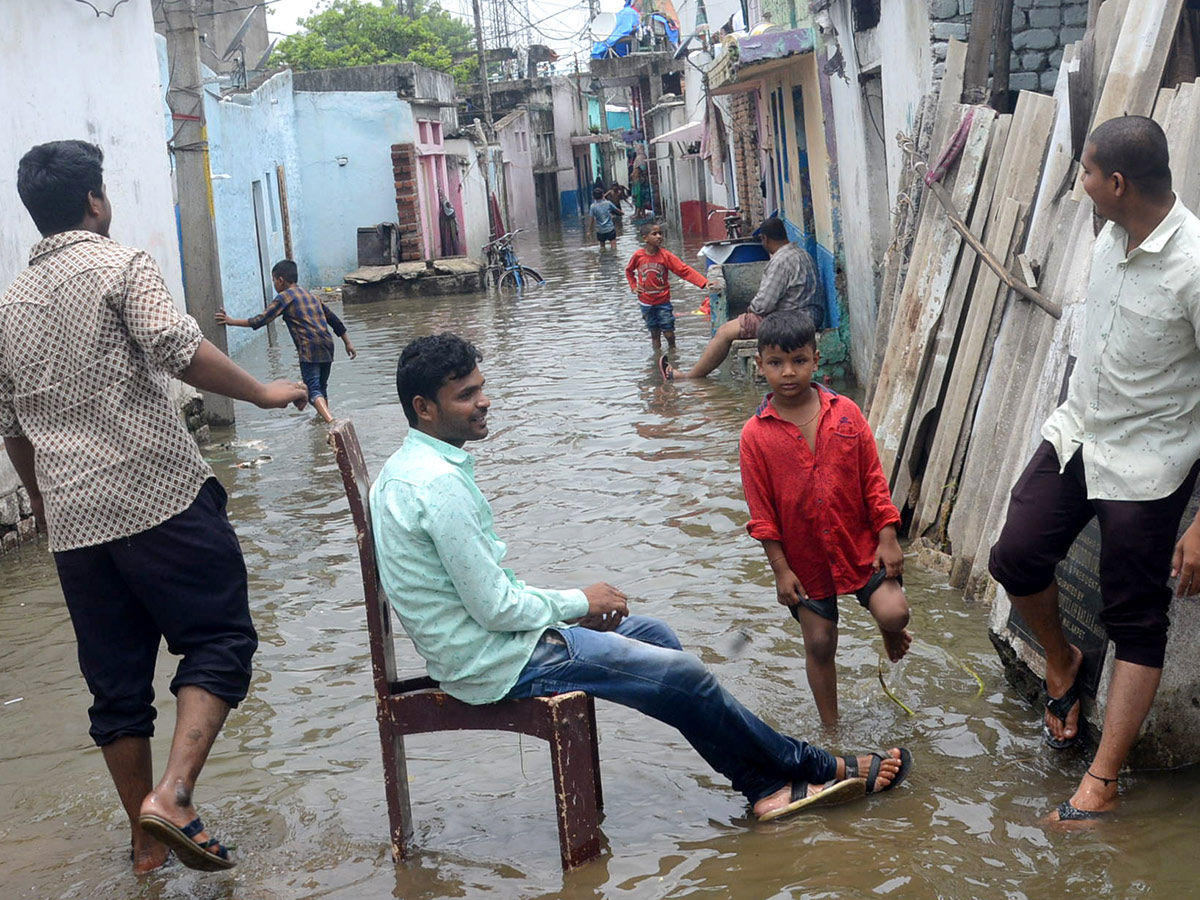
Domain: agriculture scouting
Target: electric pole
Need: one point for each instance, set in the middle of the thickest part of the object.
(483, 70)
(201, 264)
(602, 102)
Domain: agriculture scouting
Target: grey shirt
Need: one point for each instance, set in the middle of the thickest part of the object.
(790, 283)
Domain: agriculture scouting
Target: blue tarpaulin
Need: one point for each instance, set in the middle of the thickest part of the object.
(616, 44)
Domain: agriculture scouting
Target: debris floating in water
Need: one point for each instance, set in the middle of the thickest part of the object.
(13, 700)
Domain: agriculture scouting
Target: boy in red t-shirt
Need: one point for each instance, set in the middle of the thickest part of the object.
(820, 504)
(647, 275)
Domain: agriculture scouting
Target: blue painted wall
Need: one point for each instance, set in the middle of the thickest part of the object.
(360, 127)
(826, 269)
(249, 135)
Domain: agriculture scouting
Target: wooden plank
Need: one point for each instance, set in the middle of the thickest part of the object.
(1059, 169)
(1162, 106)
(1135, 72)
(898, 264)
(1004, 429)
(922, 300)
(931, 386)
(1183, 142)
(938, 489)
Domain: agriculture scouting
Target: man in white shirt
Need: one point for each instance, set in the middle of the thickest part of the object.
(1123, 447)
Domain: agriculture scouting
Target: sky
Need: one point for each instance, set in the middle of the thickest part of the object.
(556, 20)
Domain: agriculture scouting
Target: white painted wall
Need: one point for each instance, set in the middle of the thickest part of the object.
(474, 230)
(516, 141)
(863, 160)
(68, 74)
(906, 58)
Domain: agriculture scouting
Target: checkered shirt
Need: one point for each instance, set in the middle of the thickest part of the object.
(789, 282)
(88, 337)
(306, 318)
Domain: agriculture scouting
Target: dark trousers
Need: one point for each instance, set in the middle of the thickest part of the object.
(1046, 512)
(183, 580)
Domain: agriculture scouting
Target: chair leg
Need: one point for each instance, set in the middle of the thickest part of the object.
(395, 786)
(595, 735)
(575, 786)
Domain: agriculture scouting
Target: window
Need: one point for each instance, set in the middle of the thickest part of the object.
(866, 14)
(546, 143)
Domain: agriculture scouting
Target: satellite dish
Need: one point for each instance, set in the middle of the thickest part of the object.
(236, 43)
(262, 60)
(602, 26)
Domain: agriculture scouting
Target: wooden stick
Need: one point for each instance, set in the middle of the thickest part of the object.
(1011, 279)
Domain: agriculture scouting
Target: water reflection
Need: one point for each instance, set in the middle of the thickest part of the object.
(595, 470)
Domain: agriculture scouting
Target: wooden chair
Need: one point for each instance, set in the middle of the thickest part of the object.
(417, 706)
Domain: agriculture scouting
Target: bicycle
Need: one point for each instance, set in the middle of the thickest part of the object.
(733, 222)
(504, 269)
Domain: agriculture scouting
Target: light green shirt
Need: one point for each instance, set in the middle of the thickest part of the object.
(1133, 403)
(439, 559)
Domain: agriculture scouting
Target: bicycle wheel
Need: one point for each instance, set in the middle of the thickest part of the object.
(520, 279)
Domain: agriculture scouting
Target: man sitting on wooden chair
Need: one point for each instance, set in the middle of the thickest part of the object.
(486, 636)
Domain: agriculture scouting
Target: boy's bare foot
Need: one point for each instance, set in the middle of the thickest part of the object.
(147, 853)
(1057, 685)
(896, 643)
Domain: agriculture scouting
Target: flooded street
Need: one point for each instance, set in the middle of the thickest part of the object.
(596, 471)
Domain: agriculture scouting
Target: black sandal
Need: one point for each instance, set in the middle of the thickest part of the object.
(1060, 708)
(877, 757)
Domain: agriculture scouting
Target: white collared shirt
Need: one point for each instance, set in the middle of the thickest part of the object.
(1133, 403)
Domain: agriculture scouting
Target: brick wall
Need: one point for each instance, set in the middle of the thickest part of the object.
(1040, 29)
(408, 212)
(745, 151)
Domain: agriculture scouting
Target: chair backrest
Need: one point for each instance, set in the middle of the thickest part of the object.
(348, 453)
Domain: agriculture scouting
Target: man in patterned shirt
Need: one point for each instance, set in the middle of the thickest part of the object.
(789, 282)
(308, 320)
(1122, 448)
(89, 336)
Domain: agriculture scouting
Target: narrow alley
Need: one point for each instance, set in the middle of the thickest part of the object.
(596, 470)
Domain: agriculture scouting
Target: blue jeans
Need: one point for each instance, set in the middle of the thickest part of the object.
(316, 378)
(659, 318)
(641, 665)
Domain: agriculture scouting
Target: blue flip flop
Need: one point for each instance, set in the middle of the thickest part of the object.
(1067, 812)
(664, 366)
(205, 856)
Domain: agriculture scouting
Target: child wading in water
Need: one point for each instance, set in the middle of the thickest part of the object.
(647, 275)
(820, 504)
(309, 320)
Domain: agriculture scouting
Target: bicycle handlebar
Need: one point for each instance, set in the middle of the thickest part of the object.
(503, 237)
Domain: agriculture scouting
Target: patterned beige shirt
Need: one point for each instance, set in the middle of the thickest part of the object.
(1133, 403)
(88, 337)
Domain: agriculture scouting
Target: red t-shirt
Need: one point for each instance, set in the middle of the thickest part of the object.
(826, 508)
(647, 274)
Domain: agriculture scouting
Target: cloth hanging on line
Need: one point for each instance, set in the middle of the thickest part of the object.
(714, 146)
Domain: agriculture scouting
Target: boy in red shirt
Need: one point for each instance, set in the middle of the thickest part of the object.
(820, 504)
(647, 275)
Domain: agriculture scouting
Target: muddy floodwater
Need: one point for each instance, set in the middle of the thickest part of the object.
(596, 472)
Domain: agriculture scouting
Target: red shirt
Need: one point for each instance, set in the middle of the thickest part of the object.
(826, 508)
(647, 274)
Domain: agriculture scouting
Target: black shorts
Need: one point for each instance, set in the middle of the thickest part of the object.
(827, 607)
(606, 236)
(183, 580)
(1046, 512)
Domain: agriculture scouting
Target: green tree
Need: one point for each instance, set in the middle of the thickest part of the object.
(358, 33)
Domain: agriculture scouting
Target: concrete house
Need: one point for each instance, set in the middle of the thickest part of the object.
(303, 161)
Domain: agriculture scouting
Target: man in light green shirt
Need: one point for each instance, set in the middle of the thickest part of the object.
(487, 636)
(1123, 448)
